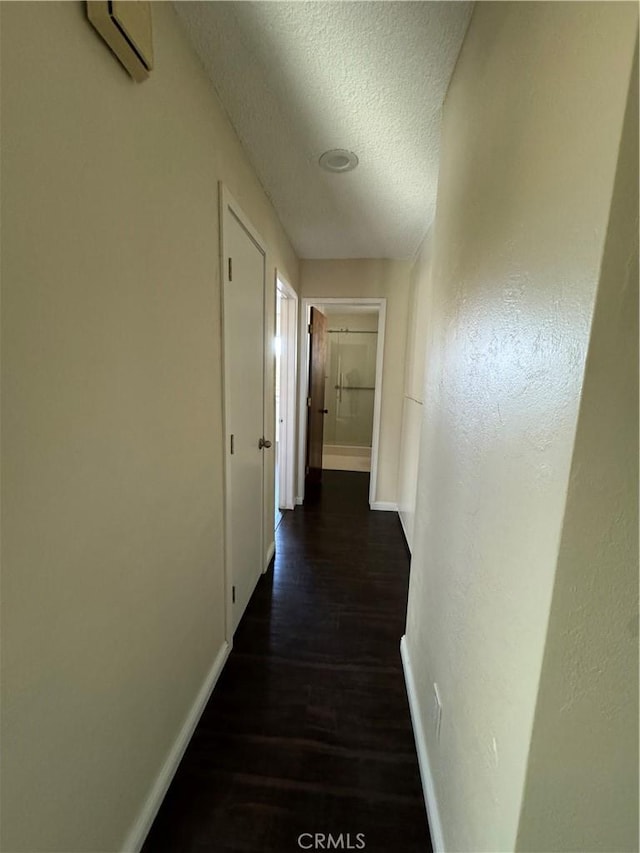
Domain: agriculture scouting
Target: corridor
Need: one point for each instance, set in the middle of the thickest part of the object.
(441, 656)
(308, 729)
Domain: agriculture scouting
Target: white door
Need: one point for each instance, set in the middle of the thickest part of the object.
(244, 289)
(286, 394)
(279, 436)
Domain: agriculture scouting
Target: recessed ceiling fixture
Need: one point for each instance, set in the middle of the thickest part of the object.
(338, 160)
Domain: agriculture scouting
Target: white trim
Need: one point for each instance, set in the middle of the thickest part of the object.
(428, 787)
(227, 201)
(377, 401)
(379, 303)
(285, 286)
(384, 506)
(142, 824)
(303, 338)
(289, 366)
(270, 552)
(299, 500)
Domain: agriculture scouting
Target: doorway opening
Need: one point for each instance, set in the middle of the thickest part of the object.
(285, 348)
(342, 358)
(349, 391)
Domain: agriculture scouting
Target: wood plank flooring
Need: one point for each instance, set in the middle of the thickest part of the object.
(308, 729)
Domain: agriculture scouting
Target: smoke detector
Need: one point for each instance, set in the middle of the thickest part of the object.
(338, 160)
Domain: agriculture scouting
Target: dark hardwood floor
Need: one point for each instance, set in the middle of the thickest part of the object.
(308, 729)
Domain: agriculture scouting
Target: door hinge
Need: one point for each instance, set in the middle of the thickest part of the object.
(310, 328)
(306, 470)
(230, 269)
(308, 402)
(233, 595)
(232, 444)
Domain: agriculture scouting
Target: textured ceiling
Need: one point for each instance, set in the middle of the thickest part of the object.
(298, 78)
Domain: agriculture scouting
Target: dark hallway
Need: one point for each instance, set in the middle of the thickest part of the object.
(308, 729)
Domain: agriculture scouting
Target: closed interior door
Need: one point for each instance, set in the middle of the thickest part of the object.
(244, 407)
(280, 394)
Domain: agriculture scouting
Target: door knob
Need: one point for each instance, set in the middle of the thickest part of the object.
(324, 411)
(263, 443)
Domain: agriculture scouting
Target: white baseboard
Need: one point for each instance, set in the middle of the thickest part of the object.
(299, 501)
(428, 788)
(384, 506)
(140, 829)
(271, 550)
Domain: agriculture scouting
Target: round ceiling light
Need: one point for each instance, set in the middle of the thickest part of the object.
(338, 160)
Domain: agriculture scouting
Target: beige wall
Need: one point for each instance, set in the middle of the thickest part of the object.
(532, 124)
(111, 396)
(354, 322)
(414, 364)
(582, 780)
(372, 277)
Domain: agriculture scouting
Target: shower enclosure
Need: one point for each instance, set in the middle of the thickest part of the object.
(350, 391)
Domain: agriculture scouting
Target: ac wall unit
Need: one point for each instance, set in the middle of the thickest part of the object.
(125, 25)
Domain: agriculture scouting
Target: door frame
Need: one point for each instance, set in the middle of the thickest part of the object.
(379, 303)
(227, 201)
(289, 367)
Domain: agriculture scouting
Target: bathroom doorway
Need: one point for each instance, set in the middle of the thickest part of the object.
(352, 385)
(352, 343)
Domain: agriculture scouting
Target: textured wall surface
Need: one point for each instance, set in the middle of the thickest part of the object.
(362, 278)
(531, 131)
(408, 465)
(582, 780)
(112, 577)
(414, 364)
(300, 78)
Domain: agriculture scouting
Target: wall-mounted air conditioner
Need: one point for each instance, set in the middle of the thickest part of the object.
(125, 25)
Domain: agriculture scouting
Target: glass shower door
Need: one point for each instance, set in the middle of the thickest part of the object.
(351, 388)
